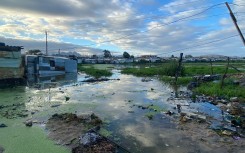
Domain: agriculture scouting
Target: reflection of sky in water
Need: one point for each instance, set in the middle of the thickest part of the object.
(112, 100)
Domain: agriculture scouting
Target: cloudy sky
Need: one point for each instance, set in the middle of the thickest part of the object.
(159, 27)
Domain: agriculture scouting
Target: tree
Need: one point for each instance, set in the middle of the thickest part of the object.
(126, 55)
(34, 52)
(188, 56)
(107, 54)
(94, 56)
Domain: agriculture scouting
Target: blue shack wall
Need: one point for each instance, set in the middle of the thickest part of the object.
(71, 66)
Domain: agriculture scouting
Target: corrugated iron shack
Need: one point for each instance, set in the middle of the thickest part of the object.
(11, 65)
(49, 65)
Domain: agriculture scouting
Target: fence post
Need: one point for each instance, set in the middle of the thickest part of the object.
(226, 70)
(211, 66)
(179, 68)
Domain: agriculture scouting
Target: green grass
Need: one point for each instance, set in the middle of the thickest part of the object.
(141, 71)
(105, 132)
(150, 115)
(167, 69)
(192, 70)
(188, 69)
(97, 73)
(98, 66)
(228, 90)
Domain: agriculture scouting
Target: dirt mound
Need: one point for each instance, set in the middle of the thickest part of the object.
(69, 130)
(102, 146)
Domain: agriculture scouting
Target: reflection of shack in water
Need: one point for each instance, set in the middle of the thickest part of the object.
(50, 70)
(51, 81)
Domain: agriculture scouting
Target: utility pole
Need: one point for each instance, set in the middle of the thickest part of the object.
(235, 23)
(46, 33)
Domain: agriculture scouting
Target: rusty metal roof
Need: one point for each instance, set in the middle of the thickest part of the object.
(11, 48)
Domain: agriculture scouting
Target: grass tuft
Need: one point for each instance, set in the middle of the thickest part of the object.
(167, 69)
(213, 89)
(97, 73)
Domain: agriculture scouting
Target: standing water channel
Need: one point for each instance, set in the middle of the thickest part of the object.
(133, 112)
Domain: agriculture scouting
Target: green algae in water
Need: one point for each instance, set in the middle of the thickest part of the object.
(67, 108)
(150, 115)
(155, 108)
(105, 132)
(17, 138)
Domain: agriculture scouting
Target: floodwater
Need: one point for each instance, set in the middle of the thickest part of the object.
(117, 102)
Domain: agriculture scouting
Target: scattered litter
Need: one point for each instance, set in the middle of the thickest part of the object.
(57, 105)
(89, 138)
(67, 98)
(3, 125)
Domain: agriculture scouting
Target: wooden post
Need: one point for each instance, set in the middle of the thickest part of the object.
(226, 70)
(179, 68)
(235, 23)
(235, 68)
(211, 66)
(46, 33)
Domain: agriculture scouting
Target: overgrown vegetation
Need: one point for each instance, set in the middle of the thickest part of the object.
(205, 69)
(166, 69)
(213, 89)
(97, 73)
(150, 115)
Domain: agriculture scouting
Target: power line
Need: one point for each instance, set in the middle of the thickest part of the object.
(239, 12)
(164, 14)
(150, 36)
(210, 42)
(187, 3)
(183, 11)
(160, 25)
(195, 19)
(150, 17)
(237, 4)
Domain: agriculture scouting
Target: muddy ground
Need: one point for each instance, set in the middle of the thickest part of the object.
(210, 140)
(67, 130)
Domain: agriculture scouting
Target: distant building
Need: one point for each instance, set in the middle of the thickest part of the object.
(148, 58)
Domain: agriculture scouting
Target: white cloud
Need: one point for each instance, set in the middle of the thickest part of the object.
(118, 20)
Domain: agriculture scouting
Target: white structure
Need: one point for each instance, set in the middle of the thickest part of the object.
(49, 65)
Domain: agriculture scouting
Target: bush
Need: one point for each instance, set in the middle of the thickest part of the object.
(228, 90)
(97, 73)
(167, 69)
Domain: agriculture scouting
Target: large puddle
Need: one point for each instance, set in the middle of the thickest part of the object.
(119, 103)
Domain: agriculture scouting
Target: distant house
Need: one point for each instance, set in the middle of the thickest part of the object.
(148, 58)
(80, 60)
(49, 65)
(154, 59)
(90, 61)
